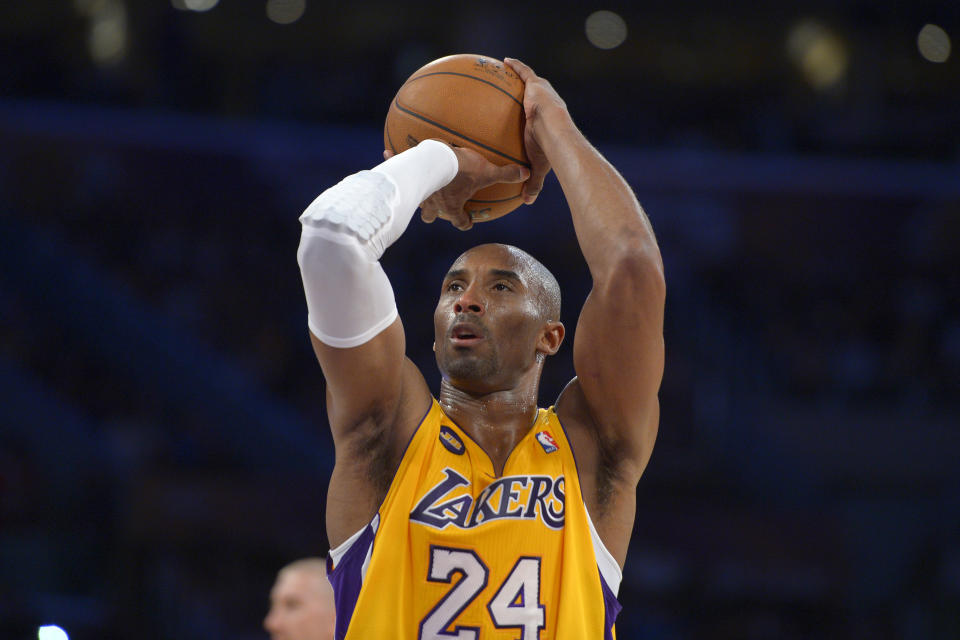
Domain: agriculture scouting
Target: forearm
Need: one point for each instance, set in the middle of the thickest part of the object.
(345, 232)
(610, 224)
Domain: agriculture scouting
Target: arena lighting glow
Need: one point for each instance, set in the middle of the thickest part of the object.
(285, 11)
(933, 43)
(107, 35)
(86, 7)
(820, 54)
(605, 29)
(51, 632)
(194, 5)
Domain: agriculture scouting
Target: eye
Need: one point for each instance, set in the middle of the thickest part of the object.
(454, 286)
(500, 286)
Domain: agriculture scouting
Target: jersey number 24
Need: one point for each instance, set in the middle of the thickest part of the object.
(515, 605)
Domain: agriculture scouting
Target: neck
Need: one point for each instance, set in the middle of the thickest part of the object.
(496, 421)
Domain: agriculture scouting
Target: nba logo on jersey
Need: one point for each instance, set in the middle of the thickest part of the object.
(546, 441)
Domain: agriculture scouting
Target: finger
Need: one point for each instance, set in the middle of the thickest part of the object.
(428, 213)
(510, 173)
(525, 72)
(533, 186)
(531, 190)
(461, 220)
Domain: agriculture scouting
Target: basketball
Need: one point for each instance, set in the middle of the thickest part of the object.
(469, 101)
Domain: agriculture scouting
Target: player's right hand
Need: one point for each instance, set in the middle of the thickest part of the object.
(475, 172)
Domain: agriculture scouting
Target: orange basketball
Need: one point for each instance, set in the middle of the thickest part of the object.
(469, 101)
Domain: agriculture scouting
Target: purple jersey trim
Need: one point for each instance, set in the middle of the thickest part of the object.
(347, 579)
(611, 608)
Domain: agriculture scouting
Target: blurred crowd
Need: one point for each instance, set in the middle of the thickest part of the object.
(163, 440)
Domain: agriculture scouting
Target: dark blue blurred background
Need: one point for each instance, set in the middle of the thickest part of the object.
(163, 441)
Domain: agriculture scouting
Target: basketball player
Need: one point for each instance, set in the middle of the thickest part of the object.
(301, 603)
(474, 514)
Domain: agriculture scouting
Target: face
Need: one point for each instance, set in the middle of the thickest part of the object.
(301, 607)
(487, 324)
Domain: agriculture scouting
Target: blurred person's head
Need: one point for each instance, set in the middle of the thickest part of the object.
(301, 603)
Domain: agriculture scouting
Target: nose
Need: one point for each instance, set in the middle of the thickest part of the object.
(270, 622)
(469, 302)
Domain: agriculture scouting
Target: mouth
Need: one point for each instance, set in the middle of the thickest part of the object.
(466, 334)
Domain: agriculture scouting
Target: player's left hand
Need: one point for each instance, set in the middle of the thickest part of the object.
(474, 173)
(542, 106)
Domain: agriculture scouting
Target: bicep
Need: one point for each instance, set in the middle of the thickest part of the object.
(618, 355)
(368, 382)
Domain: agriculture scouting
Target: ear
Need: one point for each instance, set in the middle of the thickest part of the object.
(434, 346)
(551, 337)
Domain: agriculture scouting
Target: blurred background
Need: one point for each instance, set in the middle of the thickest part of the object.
(163, 440)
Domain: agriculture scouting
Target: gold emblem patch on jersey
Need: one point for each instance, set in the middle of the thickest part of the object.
(451, 440)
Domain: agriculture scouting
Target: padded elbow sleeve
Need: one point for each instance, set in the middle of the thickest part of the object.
(349, 298)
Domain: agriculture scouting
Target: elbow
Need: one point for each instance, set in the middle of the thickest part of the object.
(639, 267)
(309, 250)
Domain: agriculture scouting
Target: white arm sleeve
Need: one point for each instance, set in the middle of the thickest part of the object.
(346, 230)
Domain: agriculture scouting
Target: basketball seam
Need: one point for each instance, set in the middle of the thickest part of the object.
(467, 75)
(396, 103)
(495, 201)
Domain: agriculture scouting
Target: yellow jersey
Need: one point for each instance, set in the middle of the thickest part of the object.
(457, 552)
